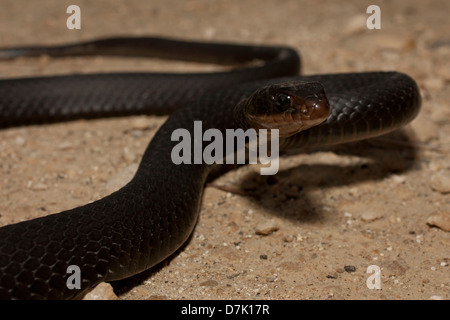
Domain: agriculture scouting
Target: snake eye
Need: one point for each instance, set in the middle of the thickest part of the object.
(283, 101)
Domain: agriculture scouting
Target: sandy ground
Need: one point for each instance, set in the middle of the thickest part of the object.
(330, 214)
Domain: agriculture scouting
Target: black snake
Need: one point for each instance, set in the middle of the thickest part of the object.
(143, 223)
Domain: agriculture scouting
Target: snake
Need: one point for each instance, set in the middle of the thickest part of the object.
(152, 216)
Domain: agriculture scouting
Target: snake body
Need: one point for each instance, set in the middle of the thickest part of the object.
(143, 223)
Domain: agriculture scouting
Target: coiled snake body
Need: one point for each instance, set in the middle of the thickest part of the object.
(153, 215)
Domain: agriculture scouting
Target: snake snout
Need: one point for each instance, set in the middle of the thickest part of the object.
(289, 107)
(316, 109)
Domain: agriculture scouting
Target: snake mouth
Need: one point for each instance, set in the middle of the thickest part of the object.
(301, 114)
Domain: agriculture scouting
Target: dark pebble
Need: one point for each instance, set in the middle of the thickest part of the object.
(350, 268)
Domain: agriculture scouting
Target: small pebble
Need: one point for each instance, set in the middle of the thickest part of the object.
(288, 238)
(434, 83)
(19, 140)
(266, 228)
(209, 283)
(356, 24)
(38, 186)
(395, 268)
(394, 42)
(350, 269)
(141, 123)
(371, 215)
(440, 219)
(128, 155)
(103, 291)
(137, 133)
(438, 165)
(66, 145)
(440, 182)
(398, 179)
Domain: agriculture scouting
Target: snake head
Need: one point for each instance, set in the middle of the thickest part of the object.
(290, 107)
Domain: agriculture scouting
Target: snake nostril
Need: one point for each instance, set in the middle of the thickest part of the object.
(307, 109)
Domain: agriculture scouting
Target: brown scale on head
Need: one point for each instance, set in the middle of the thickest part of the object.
(289, 107)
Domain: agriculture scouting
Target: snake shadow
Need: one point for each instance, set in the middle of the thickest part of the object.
(285, 194)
